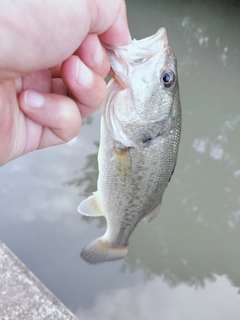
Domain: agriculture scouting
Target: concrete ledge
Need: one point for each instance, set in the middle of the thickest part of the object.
(23, 296)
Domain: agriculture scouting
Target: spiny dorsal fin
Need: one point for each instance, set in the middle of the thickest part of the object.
(91, 206)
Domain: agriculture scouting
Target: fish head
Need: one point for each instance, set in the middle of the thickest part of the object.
(145, 87)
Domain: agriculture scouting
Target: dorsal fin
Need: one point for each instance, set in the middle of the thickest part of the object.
(91, 206)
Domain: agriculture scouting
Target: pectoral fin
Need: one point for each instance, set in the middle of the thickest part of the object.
(152, 214)
(91, 206)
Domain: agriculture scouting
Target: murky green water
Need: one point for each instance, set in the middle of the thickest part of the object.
(185, 264)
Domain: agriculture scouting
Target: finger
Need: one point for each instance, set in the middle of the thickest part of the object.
(54, 37)
(56, 71)
(39, 80)
(58, 115)
(88, 88)
(92, 53)
(118, 33)
(59, 87)
(85, 111)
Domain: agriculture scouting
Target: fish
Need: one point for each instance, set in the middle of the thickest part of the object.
(139, 141)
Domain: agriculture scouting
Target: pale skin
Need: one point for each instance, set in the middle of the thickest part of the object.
(52, 68)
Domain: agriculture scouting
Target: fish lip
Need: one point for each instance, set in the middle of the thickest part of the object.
(160, 35)
(138, 51)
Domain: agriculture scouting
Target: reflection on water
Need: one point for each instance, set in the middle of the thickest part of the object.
(156, 300)
(194, 245)
(188, 248)
(88, 180)
(88, 174)
(185, 263)
(87, 121)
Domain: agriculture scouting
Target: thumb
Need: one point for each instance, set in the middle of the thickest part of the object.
(51, 119)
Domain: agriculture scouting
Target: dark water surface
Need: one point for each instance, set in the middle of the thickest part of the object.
(185, 264)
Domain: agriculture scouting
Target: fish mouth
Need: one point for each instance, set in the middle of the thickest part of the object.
(124, 58)
(156, 42)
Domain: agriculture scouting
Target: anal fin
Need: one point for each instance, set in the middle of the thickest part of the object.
(91, 206)
(152, 214)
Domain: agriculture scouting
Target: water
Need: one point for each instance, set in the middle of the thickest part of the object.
(185, 264)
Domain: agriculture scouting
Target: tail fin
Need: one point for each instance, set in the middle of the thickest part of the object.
(101, 250)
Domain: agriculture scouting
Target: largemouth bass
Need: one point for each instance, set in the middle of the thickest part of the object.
(140, 134)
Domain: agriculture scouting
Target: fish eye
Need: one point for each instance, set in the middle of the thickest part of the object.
(168, 78)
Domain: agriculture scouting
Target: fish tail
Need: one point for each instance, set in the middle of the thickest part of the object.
(101, 250)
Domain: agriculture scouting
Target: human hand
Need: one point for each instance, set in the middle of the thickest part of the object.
(52, 68)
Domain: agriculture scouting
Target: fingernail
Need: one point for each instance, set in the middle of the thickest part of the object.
(98, 54)
(84, 74)
(33, 99)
